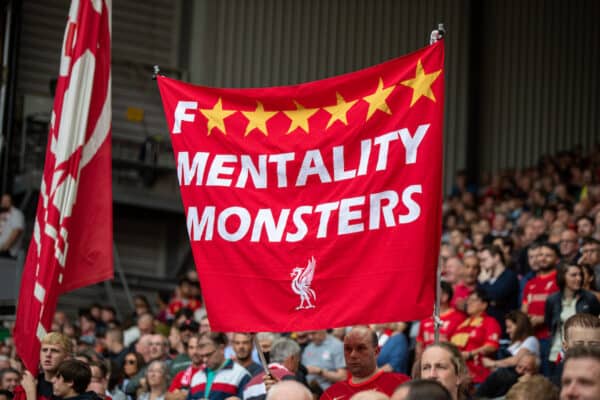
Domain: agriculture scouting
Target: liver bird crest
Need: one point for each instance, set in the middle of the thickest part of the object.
(301, 284)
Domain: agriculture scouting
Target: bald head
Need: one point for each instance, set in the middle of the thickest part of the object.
(360, 352)
(289, 390)
(369, 395)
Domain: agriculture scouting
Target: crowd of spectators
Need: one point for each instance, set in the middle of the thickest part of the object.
(520, 268)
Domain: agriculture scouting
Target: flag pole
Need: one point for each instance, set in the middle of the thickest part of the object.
(261, 355)
(436, 35)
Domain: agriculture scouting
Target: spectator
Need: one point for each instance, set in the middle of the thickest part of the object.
(180, 385)
(360, 354)
(500, 284)
(393, 356)
(184, 298)
(229, 378)
(589, 279)
(144, 326)
(55, 348)
(133, 363)
(143, 347)
(536, 387)
(478, 336)
(450, 319)
(467, 285)
(99, 381)
(444, 363)
(289, 390)
(71, 381)
(419, 389)
(581, 375)
(535, 294)
(9, 379)
(580, 330)
(504, 373)
(242, 348)
(186, 330)
(108, 315)
(324, 360)
(155, 381)
(157, 351)
(590, 254)
(569, 246)
(285, 360)
(585, 227)
(12, 225)
(115, 349)
(453, 270)
(569, 300)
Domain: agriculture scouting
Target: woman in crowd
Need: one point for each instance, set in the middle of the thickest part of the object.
(478, 336)
(504, 375)
(444, 363)
(569, 300)
(589, 279)
(132, 364)
(522, 341)
(156, 383)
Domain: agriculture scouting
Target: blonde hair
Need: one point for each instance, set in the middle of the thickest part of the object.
(56, 338)
(458, 362)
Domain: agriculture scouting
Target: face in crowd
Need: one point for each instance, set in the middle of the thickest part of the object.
(360, 352)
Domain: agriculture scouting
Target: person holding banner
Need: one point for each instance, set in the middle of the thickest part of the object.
(360, 353)
(55, 348)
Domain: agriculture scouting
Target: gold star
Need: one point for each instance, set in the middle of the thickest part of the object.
(216, 116)
(300, 117)
(421, 84)
(339, 112)
(377, 100)
(258, 119)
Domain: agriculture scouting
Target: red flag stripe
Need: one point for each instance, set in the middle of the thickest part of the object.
(72, 238)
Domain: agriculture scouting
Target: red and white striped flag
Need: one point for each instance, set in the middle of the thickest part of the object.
(72, 237)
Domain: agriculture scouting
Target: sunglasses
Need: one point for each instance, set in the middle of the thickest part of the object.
(131, 362)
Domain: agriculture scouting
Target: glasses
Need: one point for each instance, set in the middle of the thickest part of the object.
(207, 355)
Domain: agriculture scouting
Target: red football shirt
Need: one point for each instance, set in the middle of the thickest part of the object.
(451, 319)
(535, 294)
(384, 382)
(472, 334)
(183, 379)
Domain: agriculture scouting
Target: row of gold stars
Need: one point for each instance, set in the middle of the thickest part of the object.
(257, 119)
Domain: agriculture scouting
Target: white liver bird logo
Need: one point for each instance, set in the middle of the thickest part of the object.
(301, 284)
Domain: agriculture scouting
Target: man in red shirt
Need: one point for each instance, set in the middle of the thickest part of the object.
(360, 353)
(184, 298)
(537, 291)
(464, 288)
(180, 384)
(450, 317)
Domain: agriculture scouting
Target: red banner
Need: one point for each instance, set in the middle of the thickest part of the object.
(315, 205)
(72, 237)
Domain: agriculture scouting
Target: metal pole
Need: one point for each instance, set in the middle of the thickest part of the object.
(119, 270)
(437, 322)
(436, 35)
